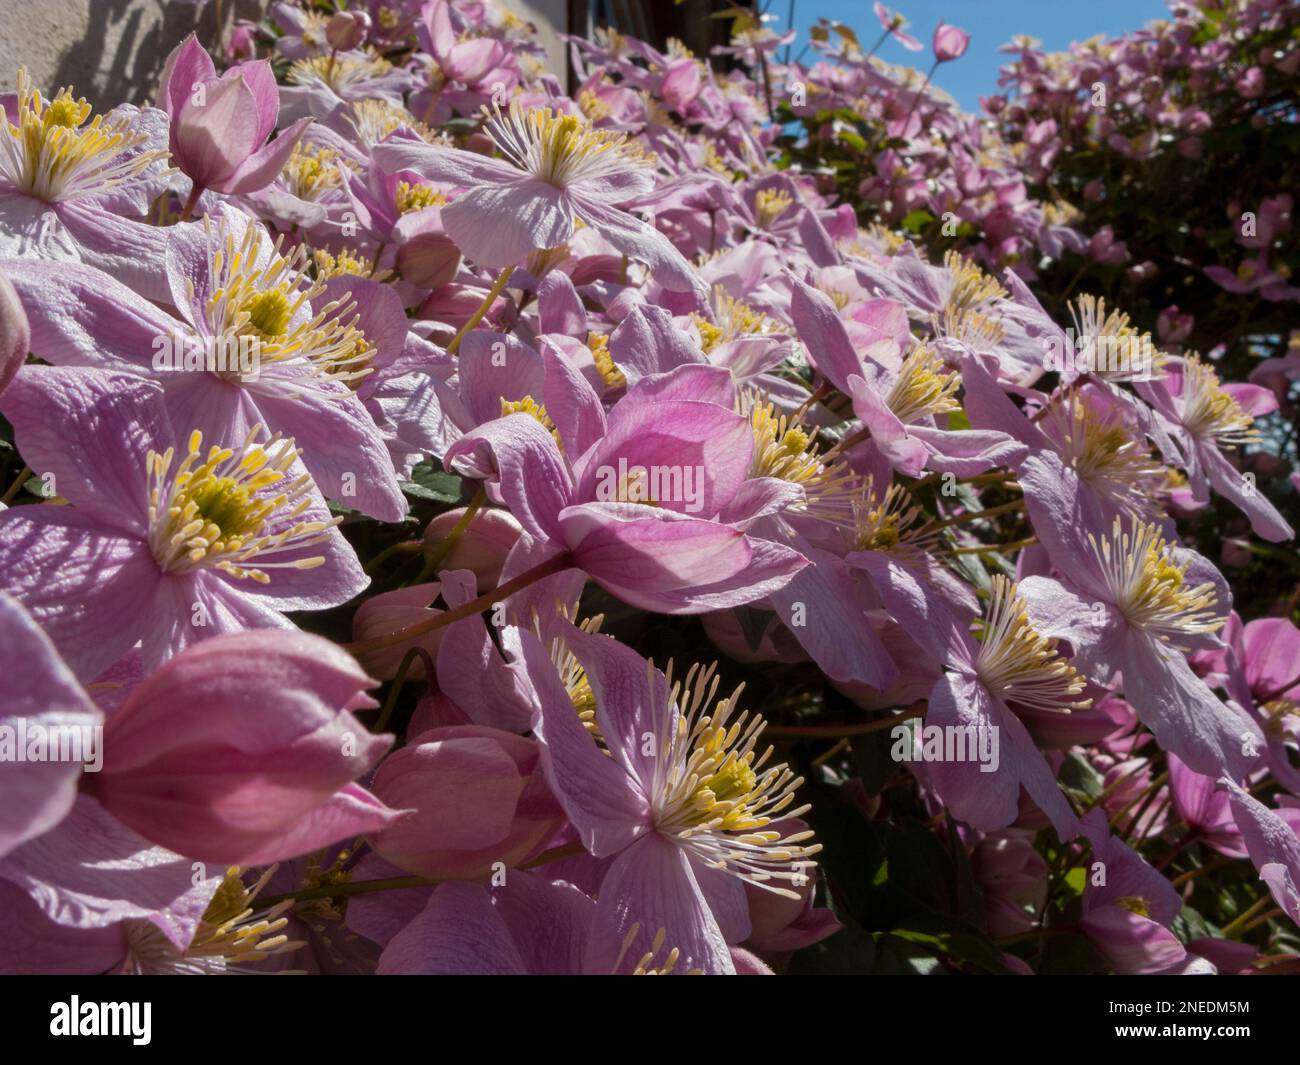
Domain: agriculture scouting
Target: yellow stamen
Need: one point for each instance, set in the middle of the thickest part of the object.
(1149, 587)
(217, 510)
(52, 155)
(1018, 664)
(923, 387)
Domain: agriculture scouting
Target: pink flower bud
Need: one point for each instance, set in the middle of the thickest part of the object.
(479, 796)
(347, 30)
(243, 750)
(220, 125)
(388, 613)
(949, 42)
(481, 548)
(428, 260)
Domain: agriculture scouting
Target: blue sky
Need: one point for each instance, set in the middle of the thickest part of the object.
(991, 23)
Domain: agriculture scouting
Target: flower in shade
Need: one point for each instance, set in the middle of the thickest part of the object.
(1128, 911)
(167, 540)
(1272, 842)
(1011, 665)
(557, 170)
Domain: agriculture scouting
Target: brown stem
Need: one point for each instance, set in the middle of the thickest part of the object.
(551, 566)
(836, 731)
(196, 191)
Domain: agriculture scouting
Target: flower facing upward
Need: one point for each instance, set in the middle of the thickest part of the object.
(225, 509)
(52, 154)
(558, 170)
(257, 293)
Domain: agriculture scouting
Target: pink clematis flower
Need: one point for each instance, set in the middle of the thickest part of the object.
(895, 26)
(253, 340)
(479, 797)
(557, 169)
(646, 500)
(220, 125)
(168, 539)
(1133, 604)
(72, 186)
(1127, 915)
(1013, 665)
(1205, 417)
(684, 808)
(1273, 844)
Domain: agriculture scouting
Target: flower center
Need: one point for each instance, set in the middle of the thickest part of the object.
(769, 205)
(1018, 664)
(598, 343)
(1149, 587)
(716, 795)
(1097, 444)
(230, 934)
(923, 387)
(311, 170)
(887, 523)
(267, 299)
(223, 510)
(1209, 411)
(1134, 904)
(337, 72)
(411, 198)
(560, 149)
(52, 155)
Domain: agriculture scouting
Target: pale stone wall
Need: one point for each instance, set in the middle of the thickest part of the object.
(112, 51)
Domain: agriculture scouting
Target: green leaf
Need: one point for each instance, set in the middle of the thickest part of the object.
(429, 482)
(917, 220)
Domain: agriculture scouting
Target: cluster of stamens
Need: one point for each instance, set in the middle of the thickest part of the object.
(1018, 664)
(231, 935)
(924, 387)
(561, 149)
(715, 795)
(1209, 411)
(1149, 588)
(52, 154)
(267, 297)
(223, 509)
(1099, 446)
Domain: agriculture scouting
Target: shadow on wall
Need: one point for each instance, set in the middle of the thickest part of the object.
(109, 51)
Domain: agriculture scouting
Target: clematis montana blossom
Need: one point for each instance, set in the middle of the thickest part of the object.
(168, 539)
